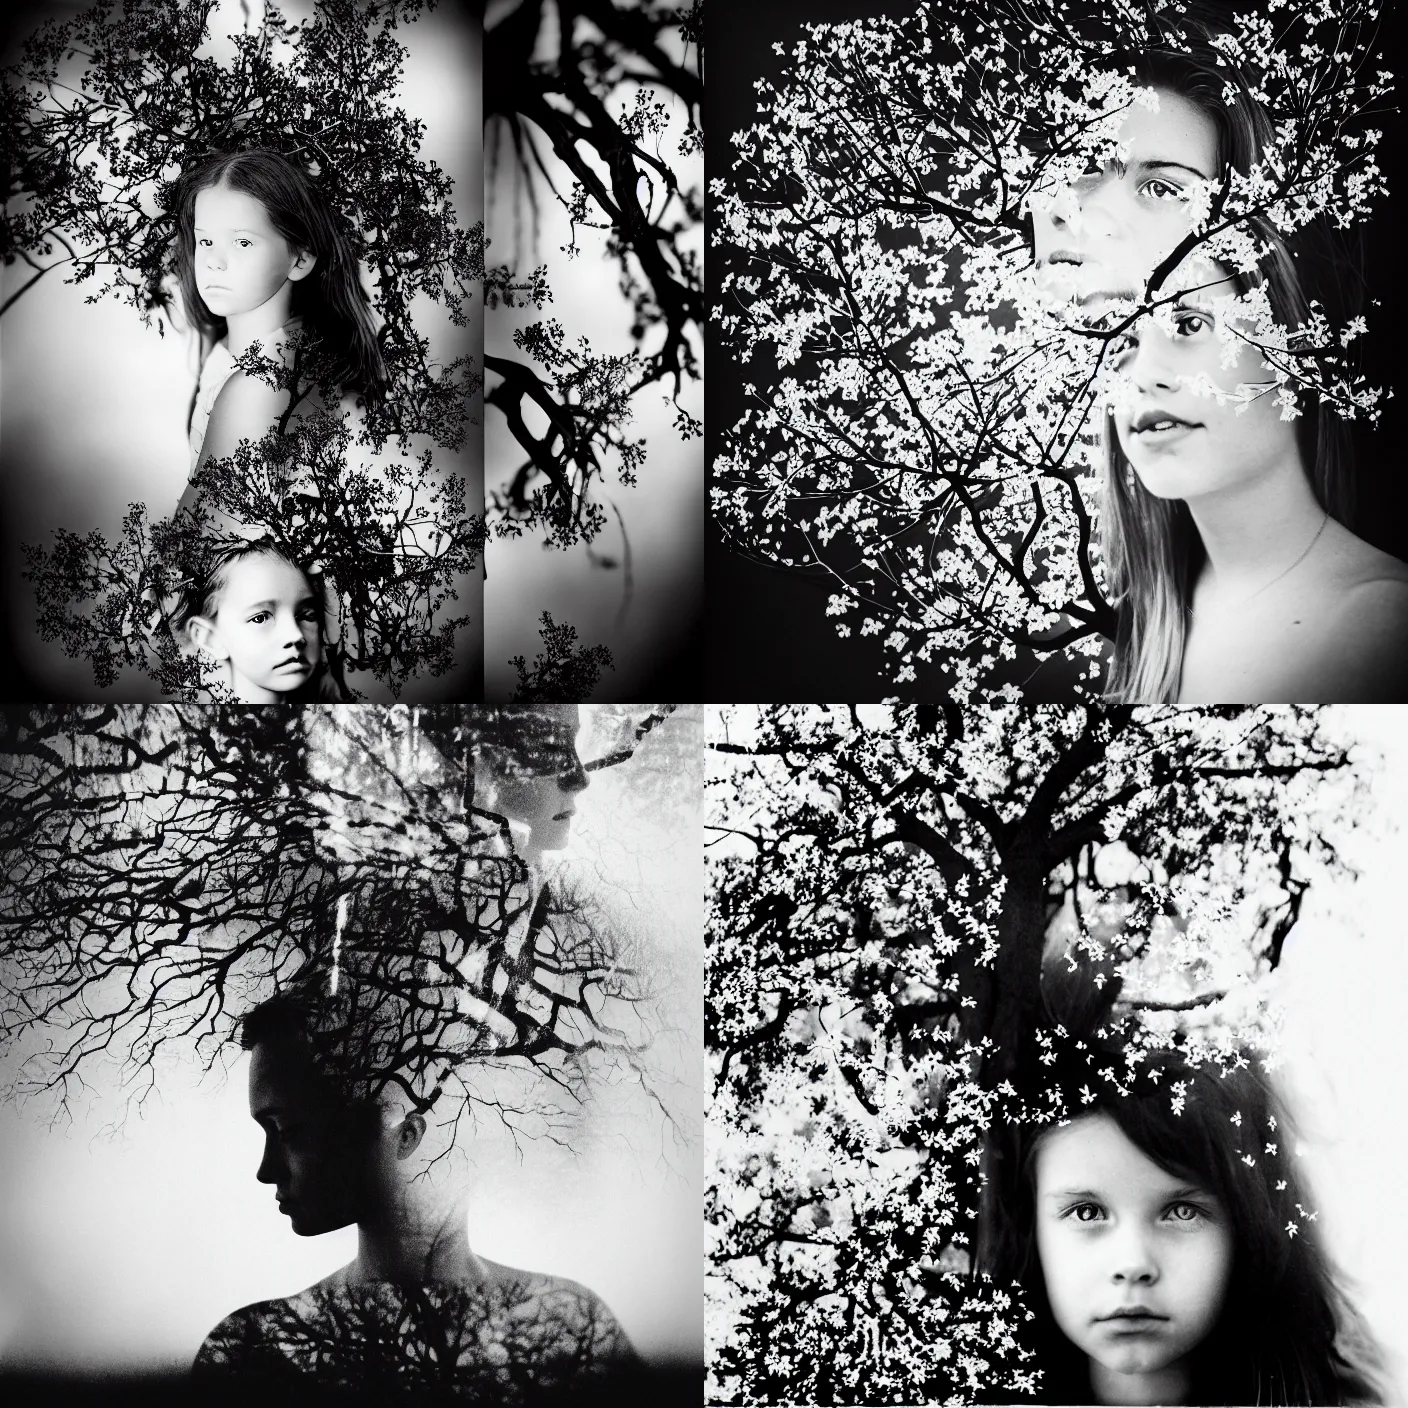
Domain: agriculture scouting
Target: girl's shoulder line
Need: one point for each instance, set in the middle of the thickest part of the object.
(1358, 563)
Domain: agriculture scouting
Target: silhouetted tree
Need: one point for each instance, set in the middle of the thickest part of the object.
(886, 888)
(101, 114)
(922, 419)
(514, 1341)
(168, 867)
(577, 98)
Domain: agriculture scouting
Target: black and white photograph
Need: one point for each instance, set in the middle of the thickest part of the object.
(351, 1050)
(242, 326)
(1053, 352)
(593, 342)
(989, 990)
(1056, 1055)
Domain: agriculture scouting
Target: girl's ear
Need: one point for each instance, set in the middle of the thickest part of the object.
(409, 1135)
(204, 636)
(302, 265)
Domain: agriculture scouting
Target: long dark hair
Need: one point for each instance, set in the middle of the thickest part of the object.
(200, 596)
(1285, 1325)
(1151, 547)
(330, 300)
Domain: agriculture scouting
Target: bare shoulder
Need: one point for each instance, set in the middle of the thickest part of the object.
(1359, 564)
(247, 408)
(240, 1338)
(1368, 628)
(532, 1285)
(574, 1310)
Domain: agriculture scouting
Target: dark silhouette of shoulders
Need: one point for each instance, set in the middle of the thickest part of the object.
(515, 1336)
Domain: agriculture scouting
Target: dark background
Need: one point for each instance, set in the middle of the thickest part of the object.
(767, 637)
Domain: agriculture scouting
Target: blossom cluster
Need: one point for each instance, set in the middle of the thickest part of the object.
(922, 416)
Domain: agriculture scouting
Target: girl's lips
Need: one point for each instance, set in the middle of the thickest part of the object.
(1165, 435)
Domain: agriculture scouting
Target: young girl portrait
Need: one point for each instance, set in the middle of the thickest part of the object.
(259, 255)
(1058, 339)
(1058, 1055)
(258, 618)
(1226, 526)
(1163, 1241)
(242, 303)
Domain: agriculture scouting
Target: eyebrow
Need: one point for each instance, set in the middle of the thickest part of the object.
(1073, 1193)
(307, 600)
(1183, 1190)
(1160, 164)
(1179, 165)
(236, 230)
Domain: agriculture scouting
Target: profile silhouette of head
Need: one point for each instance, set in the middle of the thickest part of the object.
(338, 1149)
(319, 1143)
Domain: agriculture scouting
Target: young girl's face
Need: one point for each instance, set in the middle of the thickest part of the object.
(1183, 444)
(241, 260)
(541, 790)
(267, 626)
(1136, 1261)
(1108, 232)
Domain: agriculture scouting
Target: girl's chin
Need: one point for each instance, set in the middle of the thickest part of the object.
(1168, 478)
(551, 835)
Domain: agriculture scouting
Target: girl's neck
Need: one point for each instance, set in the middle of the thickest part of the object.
(260, 324)
(418, 1246)
(1255, 530)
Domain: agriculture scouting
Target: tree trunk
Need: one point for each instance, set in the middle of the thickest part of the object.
(1014, 1003)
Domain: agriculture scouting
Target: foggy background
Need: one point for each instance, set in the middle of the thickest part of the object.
(93, 403)
(650, 635)
(1342, 979)
(121, 1251)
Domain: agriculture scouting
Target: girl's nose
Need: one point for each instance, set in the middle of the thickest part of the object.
(270, 1165)
(1149, 365)
(1088, 209)
(1133, 1261)
(575, 778)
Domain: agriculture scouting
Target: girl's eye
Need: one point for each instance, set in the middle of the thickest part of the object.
(1086, 1212)
(258, 618)
(203, 240)
(1184, 1212)
(245, 243)
(1158, 189)
(1191, 324)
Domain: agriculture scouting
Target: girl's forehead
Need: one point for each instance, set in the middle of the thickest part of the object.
(1178, 131)
(1094, 1154)
(223, 207)
(263, 575)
